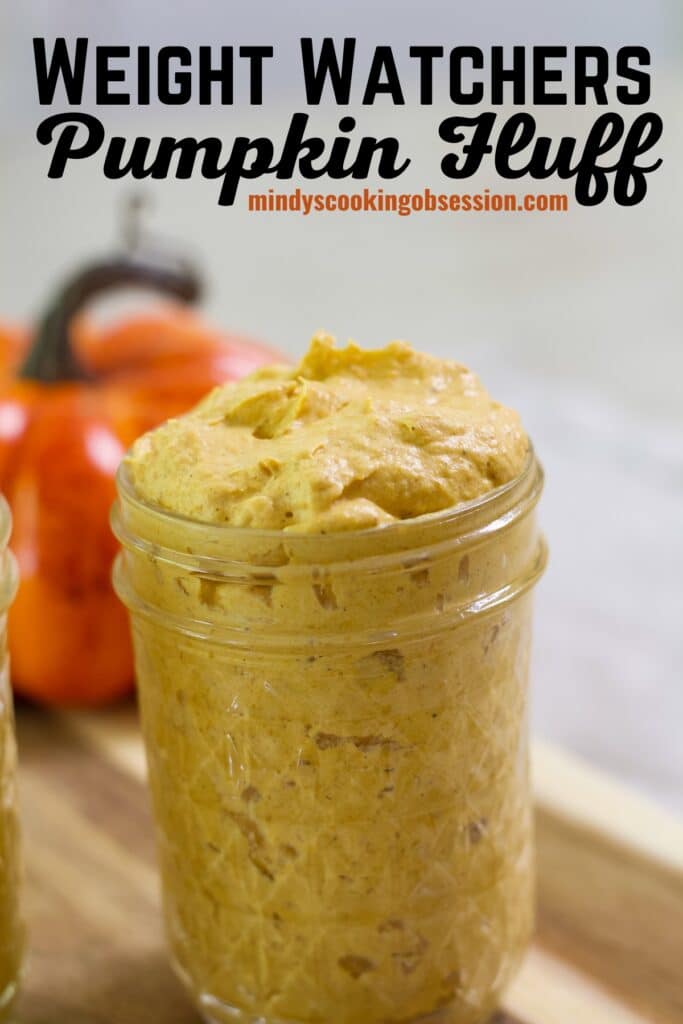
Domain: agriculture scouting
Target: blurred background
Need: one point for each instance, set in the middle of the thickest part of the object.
(575, 320)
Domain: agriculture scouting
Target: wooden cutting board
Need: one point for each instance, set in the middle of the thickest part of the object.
(609, 948)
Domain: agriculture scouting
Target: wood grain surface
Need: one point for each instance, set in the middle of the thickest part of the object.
(610, 929)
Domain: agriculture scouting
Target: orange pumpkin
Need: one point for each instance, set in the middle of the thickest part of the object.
(13, 344)
(80, 399)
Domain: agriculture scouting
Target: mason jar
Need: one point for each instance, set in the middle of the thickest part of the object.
(11, 926)
(337, 740)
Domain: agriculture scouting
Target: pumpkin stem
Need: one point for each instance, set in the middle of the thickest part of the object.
(51, 358)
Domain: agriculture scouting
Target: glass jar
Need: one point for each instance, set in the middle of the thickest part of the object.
(11, 926)
(336, 734)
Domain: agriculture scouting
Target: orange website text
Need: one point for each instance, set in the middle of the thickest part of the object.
(406, 203)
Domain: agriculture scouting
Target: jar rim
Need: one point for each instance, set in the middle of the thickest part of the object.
(448, 519)
(9, 575)
(5, 522)
(219, 553)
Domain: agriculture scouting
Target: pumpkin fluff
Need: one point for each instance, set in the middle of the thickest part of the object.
(11, 927)
(333, 690)
(348, 439)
